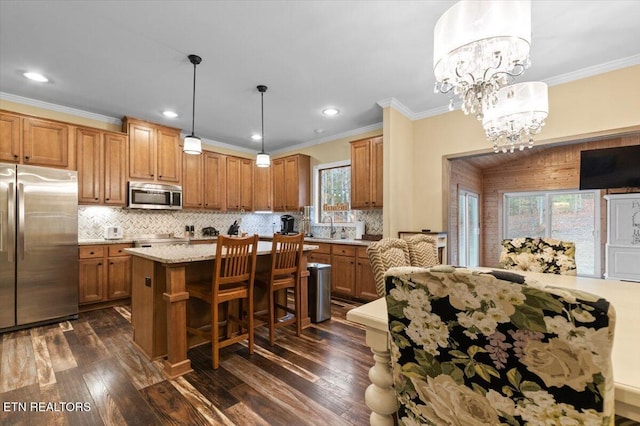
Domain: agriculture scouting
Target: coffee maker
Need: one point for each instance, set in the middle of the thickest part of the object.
(286, 226)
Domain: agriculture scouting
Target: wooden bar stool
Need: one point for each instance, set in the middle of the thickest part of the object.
(233, 279)
(284, 274)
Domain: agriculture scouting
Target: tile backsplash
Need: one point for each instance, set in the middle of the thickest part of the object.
(93, 219)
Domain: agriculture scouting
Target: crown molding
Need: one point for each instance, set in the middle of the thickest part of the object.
(59, 108)
(594, 70)
(348, 133)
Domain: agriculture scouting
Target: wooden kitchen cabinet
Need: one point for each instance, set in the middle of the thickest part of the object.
(262, 189)
(192, 181)
(343, 270)
(291, 182)
(102, 159)
(36, 142)
(366, 173)
(155, 152)
(214, 181)
(321, 255)
(10, 144)
(203, 181)
(239, 183)
(365, 282)
(104, 274)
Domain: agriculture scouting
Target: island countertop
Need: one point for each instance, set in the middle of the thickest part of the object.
(193, 253)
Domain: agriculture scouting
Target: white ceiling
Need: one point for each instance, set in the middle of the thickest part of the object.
(117, 58)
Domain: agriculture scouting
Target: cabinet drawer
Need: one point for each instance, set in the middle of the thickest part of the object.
(322, 248)
(91, 252)
(362, 252)
(118, 250)
(343, 250)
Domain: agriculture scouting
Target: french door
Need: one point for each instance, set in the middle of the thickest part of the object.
(564, 215)
(468, 229)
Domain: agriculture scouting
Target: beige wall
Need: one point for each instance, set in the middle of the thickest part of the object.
(602, 104)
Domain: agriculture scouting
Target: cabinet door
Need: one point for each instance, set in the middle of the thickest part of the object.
(376, 172)
(365, 281)
(141, 151)
(214, 181)
(192, 181)
(314, 257)
(233, 183)
(10, 138)
(360, 174)
(90, 166)
(91, 280)
(343, 275)
(246, 184)
(45, 143)
(115, 169)
(119, 277)
(262, 193)
(169, 155)
(279, 197)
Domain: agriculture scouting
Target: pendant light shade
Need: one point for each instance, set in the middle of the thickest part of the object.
(192, 144)
(262, 159)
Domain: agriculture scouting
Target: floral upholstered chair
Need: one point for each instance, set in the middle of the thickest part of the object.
(385, 254)
(545, 255)
(471, 348)
(423, 250)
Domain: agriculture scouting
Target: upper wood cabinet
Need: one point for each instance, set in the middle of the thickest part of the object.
(203, 180)
(366, 173)
(102, 159)
(154, 151)
(35, 141)
(262, 189)
(10, 146)
(291, 182)
(239, 183)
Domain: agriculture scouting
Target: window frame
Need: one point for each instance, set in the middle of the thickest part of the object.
(317, 219)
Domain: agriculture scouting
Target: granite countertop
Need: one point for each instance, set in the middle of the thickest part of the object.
(192, 253)
(97, 241)
(130, 240)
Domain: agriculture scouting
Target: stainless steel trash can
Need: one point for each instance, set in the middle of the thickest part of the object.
(319, 291)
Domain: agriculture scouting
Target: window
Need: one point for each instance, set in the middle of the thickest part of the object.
(563, 215)
(333, 192)
(468, 229)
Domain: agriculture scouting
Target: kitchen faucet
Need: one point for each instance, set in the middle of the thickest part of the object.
(332, 229)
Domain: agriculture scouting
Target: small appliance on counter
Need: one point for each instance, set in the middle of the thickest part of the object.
(113, 232)
(210, 231)
(287, 222)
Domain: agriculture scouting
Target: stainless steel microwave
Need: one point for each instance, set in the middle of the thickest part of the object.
(145, 195)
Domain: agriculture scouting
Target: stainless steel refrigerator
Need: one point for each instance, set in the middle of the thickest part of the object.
(38, 245)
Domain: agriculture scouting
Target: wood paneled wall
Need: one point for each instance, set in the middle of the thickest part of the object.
(553, 168)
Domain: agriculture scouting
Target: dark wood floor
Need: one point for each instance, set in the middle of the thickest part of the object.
(86, 372)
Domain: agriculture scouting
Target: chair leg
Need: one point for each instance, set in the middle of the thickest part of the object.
(298, 302)
(250, 320)
(215, 336)
(272, 316)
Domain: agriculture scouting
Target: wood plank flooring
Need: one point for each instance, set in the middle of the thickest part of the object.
(86, 372)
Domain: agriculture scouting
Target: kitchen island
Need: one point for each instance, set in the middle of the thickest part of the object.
(159, 297)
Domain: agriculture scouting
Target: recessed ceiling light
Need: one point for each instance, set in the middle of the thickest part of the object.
(256, 137)
(331, 112)
(169, 114)
(318, 131)
(36, 77)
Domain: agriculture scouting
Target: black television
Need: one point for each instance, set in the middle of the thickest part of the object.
(610, 168)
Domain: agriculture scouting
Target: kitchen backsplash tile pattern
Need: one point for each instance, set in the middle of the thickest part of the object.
(93, 219)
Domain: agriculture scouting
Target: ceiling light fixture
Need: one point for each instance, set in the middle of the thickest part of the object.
(478, 47)
(517, 116)
(169, 114)
(262, 159)
(36, 77)
(192, 143)
(330, 112)
(256, 137)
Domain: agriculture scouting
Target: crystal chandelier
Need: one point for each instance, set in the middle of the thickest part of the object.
(478, 47)
(517, 116)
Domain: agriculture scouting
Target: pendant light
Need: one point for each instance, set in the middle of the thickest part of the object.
(192, 143)
(262, 159)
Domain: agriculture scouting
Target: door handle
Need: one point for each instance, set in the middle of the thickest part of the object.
(11, 223)
(21, 220)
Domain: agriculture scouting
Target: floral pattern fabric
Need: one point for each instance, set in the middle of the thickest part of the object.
(468, 349)
(545, 255)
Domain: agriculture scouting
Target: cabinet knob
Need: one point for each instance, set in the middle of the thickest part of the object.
(160, 176)
(26, 158)
(110, 263)
(96, 198)
(15, 156)
(90, 252)
(106, 199)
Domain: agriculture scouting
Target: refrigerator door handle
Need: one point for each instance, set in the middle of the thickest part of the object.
(21, 220)
(11, 223)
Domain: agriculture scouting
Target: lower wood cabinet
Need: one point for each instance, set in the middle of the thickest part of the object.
(105, 273)
(365, 281)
